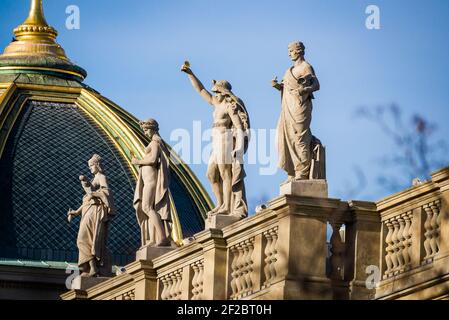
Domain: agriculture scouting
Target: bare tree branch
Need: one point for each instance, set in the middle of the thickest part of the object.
(415, 153)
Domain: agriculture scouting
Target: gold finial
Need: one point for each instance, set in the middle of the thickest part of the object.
(35, 26)
(35, 37)
(36, 16)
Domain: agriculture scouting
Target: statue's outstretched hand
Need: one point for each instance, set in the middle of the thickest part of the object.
(186, 67)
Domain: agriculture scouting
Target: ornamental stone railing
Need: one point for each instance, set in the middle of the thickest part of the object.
(397, 248)
(415, 241)
(279, 253)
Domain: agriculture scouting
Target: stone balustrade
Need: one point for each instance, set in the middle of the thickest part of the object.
(414, 246)
(279, 253)
(406, 234)
(282, 253)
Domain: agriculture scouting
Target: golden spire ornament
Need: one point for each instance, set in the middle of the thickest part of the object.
(36, 16)
(35, 37)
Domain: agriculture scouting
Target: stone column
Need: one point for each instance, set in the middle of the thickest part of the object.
(302, 248)
(215, 264)
(363, 238)
(145, 280)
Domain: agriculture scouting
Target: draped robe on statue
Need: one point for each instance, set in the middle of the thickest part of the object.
(239, 203)
(93, 231)
(294, 134)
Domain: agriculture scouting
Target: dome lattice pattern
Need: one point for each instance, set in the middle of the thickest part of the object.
(50, 149)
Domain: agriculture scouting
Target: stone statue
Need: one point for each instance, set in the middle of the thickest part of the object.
(96, 212)
(301, 155)
(230, 137)
(152, 196)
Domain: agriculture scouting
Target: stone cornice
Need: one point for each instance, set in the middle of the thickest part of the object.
(409, 199)
(364, 211)
(307, 206)
(441, 178)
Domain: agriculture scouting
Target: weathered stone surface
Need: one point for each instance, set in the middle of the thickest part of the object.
(219, 221)
(84, 283)
(305, 188)
(149, 252)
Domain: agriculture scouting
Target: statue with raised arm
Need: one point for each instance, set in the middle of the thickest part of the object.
(301, 155)
(230, 135)
(152, 195)
(96, 212)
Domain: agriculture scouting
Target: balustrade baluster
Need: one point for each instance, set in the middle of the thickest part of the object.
(201, 280)
(274, 236)
(435, 229)
(394, 239)
(164, 282)
(195, 269)
(267, 259)
(241, 272)
(401, 244)
(428, 232)
(438, 233)
(234, 273)
(389, 248)
(179, 285)
(406, 235)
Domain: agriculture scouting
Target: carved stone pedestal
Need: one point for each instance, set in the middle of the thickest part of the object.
(305, 188)
(84, 283)
(149, 253)
(220, 221)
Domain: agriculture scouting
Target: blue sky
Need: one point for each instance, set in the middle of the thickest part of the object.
(133, 51)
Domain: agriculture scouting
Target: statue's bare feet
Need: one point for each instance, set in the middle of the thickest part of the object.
(214, 210)
(223, 210)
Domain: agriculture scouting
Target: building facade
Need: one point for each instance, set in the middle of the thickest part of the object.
(51, 123)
